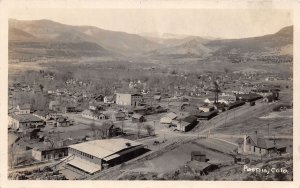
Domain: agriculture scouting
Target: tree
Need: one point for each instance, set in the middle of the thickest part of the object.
(138, 129)
(12, 154)
(52, 142)
(41, 87)
(96, 131)
(226, 70)
(149, 129)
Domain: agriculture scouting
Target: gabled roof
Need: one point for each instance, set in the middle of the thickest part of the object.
(91, 112)
(137, 116)
(104, 148)
(260, 141)
(171, 115)
(24, 106)
(62, 119)
(54, 103)
(207, 114)
(190, 119)
(119, 114)
(25, 118)
(42, 113)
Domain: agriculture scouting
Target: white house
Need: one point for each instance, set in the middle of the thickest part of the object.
(23, 109)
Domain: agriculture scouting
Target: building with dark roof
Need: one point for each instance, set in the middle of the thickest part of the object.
(186, 124)
(24, 121)
(198, 156)
(138, 118)
(207, 115)
(248, 97)
(49, 153)
(44, 115)
(258, 145)
(118, 116)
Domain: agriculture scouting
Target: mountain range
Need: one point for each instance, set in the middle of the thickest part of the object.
(46, 38)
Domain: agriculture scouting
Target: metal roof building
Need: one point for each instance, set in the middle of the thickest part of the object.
(93, 156)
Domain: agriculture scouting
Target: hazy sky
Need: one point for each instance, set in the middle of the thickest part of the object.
(226, 23)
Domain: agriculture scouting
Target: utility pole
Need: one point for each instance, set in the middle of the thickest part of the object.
(122, 127)
(154, 127)
(234, 114)
(268, 129)
(226, 118)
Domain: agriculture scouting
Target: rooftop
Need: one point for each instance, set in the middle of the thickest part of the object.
(104, 148)
(41, 113)
(171, 115)
(24, 106)
(25, 117)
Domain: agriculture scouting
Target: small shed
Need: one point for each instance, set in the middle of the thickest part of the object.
(198, 156)
(207, 115)
(118, 116)
(138, 118)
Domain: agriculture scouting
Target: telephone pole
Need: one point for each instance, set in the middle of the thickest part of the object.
(268, 128)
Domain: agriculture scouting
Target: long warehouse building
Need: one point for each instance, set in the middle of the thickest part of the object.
(93, 156)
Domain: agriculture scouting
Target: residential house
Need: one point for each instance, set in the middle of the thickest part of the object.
(49, 153)
(200, 168)
(270, 98)
(157, 97)
(55, 106)
(140, 110)
(156, 109)
(207, 115)
(44, 115)
(168, 118)
(138, 118)
(209, 100)
(99, 98)
(32, 133)
(96, 106)
(198, 156)
(258, 145)
(118, 116)
(109, 130)
(206, 108)
(62, 122)
(24, 121)
(23, 109)
(92, 114)
(109, 99)
(69, 109)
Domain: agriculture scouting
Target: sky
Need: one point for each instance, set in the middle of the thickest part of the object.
(216, 23)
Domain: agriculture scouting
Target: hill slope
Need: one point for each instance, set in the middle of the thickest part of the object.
(274, 43)
(279, 43)
(45, 38)
(52, 36)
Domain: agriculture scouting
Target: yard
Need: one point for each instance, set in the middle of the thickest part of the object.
(174, 159)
